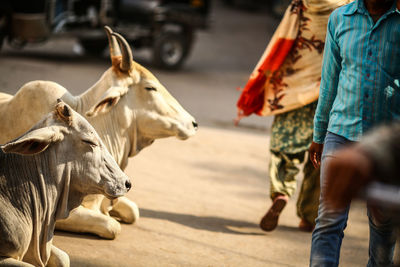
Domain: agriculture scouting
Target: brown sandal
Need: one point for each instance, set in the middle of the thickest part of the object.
(270, 220)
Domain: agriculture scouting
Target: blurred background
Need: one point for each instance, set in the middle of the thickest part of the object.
(201, 50)
(201, 204)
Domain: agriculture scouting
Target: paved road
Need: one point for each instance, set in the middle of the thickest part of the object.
(201, 199)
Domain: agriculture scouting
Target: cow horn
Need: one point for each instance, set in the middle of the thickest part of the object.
(126, 63)
(112, 42)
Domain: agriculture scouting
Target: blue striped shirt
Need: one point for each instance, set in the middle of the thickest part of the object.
(360, 76)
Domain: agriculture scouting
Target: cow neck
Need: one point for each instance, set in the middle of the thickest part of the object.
(90, 97)
(44, 207)
(53, 182)
(104, 124)
(50, 199)
(117, 139)
(133, 136)
(67, 198)
(114, 136)
(119, 132)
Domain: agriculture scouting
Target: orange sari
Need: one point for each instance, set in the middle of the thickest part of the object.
(289, 72)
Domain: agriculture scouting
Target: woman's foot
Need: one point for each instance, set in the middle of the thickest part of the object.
(270, 220)
(306, 226)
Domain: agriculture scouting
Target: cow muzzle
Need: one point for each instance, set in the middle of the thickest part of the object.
(118, 188)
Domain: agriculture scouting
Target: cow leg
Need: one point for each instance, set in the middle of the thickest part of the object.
(83, 220)
(123, 209)
(10, 262)
(58, 258)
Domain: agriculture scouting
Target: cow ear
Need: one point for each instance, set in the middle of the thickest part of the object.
(33, 142)
(107, 101)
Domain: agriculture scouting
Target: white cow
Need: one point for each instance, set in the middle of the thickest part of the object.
(44, 174)
(128, 107)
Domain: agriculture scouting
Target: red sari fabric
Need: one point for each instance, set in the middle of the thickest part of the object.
(252, 97)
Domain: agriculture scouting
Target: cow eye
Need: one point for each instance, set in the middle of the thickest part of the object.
(89, 142)
(151, 88)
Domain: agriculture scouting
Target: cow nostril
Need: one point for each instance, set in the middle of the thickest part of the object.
(195, 125)
(128, 184)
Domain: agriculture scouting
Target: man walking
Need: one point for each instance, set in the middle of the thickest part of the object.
(359, 90)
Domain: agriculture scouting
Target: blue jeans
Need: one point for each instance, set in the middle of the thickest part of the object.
(328, 233)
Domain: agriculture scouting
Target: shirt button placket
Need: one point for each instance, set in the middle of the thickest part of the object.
(366, 99)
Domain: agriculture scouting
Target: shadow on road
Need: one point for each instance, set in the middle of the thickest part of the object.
(82, 262)
(78, 235)
(213, 224)
(285, 228)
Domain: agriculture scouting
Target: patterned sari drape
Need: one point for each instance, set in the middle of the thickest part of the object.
(288, 74)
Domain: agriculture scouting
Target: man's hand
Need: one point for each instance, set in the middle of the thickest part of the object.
(346, 173)
(315, 154)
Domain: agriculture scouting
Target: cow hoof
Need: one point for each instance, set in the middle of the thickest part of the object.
(58, 258)
(111, 230)
(125, 210)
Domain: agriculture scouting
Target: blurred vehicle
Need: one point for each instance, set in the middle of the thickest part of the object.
(166, 26)
(276, 7)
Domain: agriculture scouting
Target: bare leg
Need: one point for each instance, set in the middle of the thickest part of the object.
(83, 220)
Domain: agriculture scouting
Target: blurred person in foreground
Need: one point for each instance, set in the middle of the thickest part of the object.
(376, 158)
(285, 83)
(359, 90)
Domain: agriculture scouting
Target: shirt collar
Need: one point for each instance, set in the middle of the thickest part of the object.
(359, 6)
(394, 8)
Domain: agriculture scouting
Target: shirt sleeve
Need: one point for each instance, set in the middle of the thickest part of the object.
(331, 68)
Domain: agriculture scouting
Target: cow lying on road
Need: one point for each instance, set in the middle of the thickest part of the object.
(128, 107)
(44, 174)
